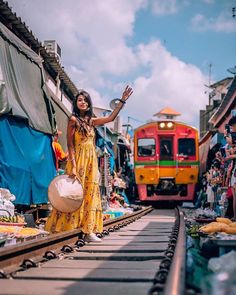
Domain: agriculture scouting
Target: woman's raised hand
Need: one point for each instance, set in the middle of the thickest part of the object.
(127, 92)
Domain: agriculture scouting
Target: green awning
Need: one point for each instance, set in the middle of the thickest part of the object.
(23, 92)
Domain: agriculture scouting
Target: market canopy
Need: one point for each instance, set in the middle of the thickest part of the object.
(26, 161)
(104, 141)
(204, 147)
(23, 92)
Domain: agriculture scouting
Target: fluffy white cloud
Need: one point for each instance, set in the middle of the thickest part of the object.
(209, 1)
(161, 7)
(170, 83)
(97, 56)
(223, 23)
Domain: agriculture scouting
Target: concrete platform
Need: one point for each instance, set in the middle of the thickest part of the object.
(135, 238)
(39, 287)
(143, 234)
(123, 242)
(90, 264)
(153, 231)
(129, 248)
(124, 275)
(116, 256)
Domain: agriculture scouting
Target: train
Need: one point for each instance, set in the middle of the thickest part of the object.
(166, 161)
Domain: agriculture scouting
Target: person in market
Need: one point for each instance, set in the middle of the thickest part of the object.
(216, 180)
(227, 163)
(209, 191)
(231, 156)
(202, 195)
(130, 181)
(60, 154)
(117, 201)
(83, 165)
(227, 171)
(218, 158)
(120, 185)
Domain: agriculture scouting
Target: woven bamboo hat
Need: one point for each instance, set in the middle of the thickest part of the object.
(65, 193)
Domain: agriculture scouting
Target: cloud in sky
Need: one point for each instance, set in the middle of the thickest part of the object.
(209, 1)
(222, 23)
(171, 83)
(160, 7)
(94, 37)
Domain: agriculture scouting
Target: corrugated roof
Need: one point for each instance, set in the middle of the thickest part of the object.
(222, 82)
(225, 105)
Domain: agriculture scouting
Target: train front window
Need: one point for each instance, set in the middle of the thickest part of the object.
(146, 147)
(166, 148)
(187, 146)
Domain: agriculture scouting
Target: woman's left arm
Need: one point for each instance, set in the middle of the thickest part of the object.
(101, 121)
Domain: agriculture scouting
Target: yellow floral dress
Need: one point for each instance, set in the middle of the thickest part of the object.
(89, 216)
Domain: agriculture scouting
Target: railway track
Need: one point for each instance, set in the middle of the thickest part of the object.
(143, 253)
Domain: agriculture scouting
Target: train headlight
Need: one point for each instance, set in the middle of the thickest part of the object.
(166, 125)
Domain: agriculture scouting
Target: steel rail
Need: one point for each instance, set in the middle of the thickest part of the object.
(13, 256)
(175, 283)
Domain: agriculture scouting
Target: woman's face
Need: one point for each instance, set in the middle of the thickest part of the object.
(82, 103)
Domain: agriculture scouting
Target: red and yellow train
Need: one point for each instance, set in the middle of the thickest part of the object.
(166, 161)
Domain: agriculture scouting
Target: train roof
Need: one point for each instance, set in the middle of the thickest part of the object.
(165, 120)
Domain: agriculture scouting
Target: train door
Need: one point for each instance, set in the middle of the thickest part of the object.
(166, 156)
(166, 148)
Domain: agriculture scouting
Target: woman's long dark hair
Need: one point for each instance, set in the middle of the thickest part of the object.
(83, 124)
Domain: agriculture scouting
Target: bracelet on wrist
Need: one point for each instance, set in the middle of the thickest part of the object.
(122, 101)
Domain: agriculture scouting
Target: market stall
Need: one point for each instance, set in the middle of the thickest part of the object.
(211, 253)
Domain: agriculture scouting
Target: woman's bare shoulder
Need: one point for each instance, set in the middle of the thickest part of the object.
(72, 122)
(73, 118)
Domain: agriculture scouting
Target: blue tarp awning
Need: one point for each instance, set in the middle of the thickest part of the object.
(26, 161)
(101, 141)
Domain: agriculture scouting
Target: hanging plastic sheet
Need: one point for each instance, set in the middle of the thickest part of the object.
(105, 143)
(204, 148)
(23, 92)
(26, 161)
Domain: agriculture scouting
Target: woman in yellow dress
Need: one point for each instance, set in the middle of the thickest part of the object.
(82, 163)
